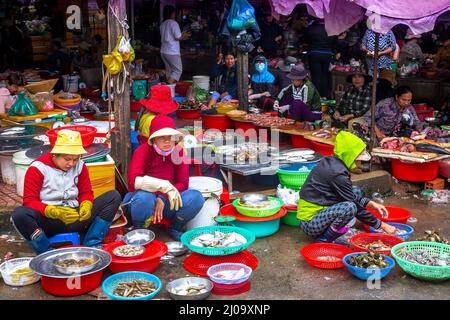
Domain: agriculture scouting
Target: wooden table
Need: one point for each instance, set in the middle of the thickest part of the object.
(418, 157)
(41, 118)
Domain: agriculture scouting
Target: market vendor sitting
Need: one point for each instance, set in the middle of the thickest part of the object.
(301, 98)
(158, 180)
(262, 85)
(356, 100)
(227, 74)
(395, 116)
(328, 201)
(160, 102)
(58, 197)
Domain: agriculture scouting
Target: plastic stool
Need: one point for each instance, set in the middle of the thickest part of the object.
(72, 237)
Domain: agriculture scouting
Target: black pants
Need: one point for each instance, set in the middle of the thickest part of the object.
(28, 220)
(319, 64)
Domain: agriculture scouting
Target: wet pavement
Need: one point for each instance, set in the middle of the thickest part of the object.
(282, 273)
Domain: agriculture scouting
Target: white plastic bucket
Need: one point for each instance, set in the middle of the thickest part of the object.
(8, 170)
(172, 89)
(201, 81)
(22, 163)
(211, 190)
(70, 83)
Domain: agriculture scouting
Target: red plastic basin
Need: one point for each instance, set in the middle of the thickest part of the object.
(244, 126)
(299, 141)
(428, 113)
(72, 286)
(148, 262)
(362, 239)
(188, 114)
(396, 214)
(87, 134)
(413, 171)
(219, 122)
(325, 149)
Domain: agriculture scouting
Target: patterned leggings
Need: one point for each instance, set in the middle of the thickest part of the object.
(337, 216)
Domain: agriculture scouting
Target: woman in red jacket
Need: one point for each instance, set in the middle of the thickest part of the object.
(158, 181)
(58, 197)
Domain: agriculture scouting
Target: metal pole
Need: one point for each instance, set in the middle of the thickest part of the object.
(374, 95)
(242, 78)
(132, 18)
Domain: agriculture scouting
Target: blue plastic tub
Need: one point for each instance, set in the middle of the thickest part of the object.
(409, 230)
(260, 229)
(110, 284)
(180, 99)
(365, 274)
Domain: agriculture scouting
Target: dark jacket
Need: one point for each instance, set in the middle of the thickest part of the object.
(228, 78)
(318, 39)
(329, 182)
(269, 31)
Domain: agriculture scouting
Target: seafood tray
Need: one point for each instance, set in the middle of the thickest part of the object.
(368, 265)
(245, 151)
(402, 231)
(132, 285)
(189, 288)
(379, 242)
(217, 240)
(71, 263)
(415, 257)
(269, 208)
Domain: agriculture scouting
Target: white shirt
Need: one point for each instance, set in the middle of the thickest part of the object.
(170, 32)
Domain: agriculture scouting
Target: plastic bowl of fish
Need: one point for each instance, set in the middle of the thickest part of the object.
(76, 262)
(365, 265)
(379, 242)
(402, 231)
(325, 255)
(190, 288)
(131, 285)
(229, 273)
(129, 251)
(217, 240)
(259, 209)
(17, 272)
(424, 260)
(139, 237)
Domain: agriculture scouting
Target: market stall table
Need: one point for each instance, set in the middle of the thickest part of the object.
(45, 119)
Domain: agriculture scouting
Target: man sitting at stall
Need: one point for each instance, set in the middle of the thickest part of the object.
(300, 98)
(228, 79)
(158, 181)
(395, 116)
(328, 201)
(356, 99)
(58, 197)
(262, 85)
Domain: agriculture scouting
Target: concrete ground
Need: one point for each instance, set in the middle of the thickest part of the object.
(282, 273)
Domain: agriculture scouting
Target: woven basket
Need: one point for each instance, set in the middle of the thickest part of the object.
(41, 86)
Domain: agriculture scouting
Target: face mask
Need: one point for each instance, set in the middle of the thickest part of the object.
(259, 67)
(162, 152)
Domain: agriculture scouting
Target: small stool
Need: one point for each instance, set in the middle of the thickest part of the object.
(65, 238)
(436, 184)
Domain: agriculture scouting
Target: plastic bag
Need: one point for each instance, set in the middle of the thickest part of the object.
(241, 16)
(125, 49)
(22, 107)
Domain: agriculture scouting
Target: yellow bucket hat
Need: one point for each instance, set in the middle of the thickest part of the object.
(68, 142)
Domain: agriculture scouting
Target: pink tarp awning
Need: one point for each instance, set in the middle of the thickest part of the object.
(340, 15)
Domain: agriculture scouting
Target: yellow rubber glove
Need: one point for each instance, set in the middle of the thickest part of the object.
(65, 214)
(85, 210)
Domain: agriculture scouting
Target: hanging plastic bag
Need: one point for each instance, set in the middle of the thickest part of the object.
(241, 16)
(22, 107)
(113, 61)
(125, 49)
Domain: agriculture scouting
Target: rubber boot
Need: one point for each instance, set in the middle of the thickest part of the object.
(331, 235)
(40, 244)
(97, 232)
(176, 229)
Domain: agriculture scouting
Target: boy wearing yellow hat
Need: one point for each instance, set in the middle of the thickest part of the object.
(58, 197)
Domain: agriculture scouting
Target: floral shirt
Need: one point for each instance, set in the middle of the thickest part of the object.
(386, 41)
(388, 116)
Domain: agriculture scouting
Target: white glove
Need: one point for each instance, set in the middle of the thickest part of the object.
(284, 108)
(151, 184)
(276, 105)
